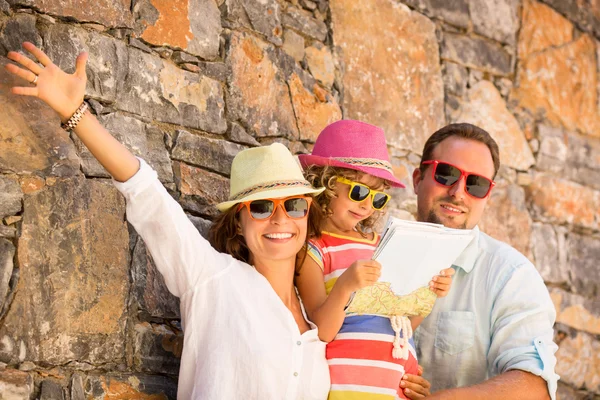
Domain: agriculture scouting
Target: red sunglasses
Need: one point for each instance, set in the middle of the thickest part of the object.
(447, 175)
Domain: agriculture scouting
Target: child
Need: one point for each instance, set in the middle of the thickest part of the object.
(351, 161)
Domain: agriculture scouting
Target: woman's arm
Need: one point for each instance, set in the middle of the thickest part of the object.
(64, 93)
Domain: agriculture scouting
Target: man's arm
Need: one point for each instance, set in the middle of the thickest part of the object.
(514, 384)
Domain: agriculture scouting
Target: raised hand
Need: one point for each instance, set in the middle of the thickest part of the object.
(61, 91)
(440, 284)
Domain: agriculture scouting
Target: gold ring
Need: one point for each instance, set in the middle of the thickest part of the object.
(34, 81)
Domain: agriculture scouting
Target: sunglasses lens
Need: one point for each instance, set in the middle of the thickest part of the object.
(261, 209)
(380, 200)
(296, 208)
(478, 186)
(359, 192)
(446, 174)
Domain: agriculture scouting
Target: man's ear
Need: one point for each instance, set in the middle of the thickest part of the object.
(417, 178)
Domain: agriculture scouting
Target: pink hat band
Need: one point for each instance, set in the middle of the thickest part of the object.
(353, 145)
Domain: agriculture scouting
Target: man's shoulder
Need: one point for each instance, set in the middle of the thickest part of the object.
(501, 253)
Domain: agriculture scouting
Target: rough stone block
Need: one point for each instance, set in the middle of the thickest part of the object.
(15, 385)
(258, 94)
(303, 22)
(542, 28)
(8, 232)
(142, 140)
(476, 53)
(129, 386)
(293, 44)
(18, 29)
(506, 217)
(455, 78)
(320, 63)
(110, 13)
(496, 19)
(239, 135)
(158, 90)
(157, 349)
(455, 12)
(31, 140)
(71, 297)
(149, 288)
(7, 253)
(10, 196)
(312, 113)
(487, 109)
(583, 160)
(586, 15)
(190, 25)
(107, 63)
(51, 390)
(578, 361)
(583, 253)
(558, 85)
(200, 190)
(576, 311)
(265, 18)
(391, 75)
(549, 253)
(560, 201)
(205, 152)
(553, 151)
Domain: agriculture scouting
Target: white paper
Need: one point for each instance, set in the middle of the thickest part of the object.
(412, 253)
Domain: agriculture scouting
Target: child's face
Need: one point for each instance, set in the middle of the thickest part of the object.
(348, 213)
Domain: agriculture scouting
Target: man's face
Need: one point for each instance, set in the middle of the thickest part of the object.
(452, 206)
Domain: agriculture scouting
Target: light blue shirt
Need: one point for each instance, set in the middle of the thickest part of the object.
(497, 317)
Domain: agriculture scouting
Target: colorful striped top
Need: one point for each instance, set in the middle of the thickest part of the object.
(360, 357)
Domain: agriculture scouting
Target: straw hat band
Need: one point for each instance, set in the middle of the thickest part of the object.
(366, 162)
(269, 186)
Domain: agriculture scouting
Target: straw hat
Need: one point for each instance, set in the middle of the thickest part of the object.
(266, 172)
(354, 145)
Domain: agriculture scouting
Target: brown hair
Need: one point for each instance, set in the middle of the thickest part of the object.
(224, 235)
(325, 176)
(464, 131)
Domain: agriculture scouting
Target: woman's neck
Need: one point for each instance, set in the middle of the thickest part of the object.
(280, 275)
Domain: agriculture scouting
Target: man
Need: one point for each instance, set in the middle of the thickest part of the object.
(491, 337)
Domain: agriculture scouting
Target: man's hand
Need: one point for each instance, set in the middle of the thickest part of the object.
(415, 386)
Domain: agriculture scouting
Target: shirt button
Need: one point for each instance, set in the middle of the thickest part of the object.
(298, 343)
(295, 374)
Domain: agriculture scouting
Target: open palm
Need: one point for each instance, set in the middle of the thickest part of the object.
(61, 91)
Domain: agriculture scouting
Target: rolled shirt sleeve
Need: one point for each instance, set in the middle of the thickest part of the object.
(522, 327)
(181, 254)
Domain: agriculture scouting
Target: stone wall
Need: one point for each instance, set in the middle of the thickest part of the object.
(188, 83)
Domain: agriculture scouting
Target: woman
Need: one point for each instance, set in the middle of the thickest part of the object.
(245, 331)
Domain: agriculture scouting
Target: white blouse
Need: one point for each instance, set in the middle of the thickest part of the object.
(240, 341)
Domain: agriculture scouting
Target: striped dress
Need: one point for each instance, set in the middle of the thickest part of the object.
(360, 357)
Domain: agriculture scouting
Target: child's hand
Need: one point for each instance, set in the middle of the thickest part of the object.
(61, 91)
(440, 284)
(360, 274)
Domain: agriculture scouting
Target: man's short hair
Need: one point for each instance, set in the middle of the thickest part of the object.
(464, 131)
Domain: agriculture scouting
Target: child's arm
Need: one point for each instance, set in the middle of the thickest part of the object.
(328, 312)
(440, 285)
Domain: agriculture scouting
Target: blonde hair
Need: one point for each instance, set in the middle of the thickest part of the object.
(325, 176)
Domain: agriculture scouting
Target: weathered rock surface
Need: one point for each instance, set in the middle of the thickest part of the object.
(576, 311)
(392, 75)
(496, 19)
(71, 297)
(549, 253)
(200, 190)
(157, 349)
(190, 25)
(578, 361)
(476, 53)
(487, 109)
(10, 196)
(15, 384)
(542, 28)
(583, 253)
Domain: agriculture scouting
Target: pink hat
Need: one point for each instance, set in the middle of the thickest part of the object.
(353, 145)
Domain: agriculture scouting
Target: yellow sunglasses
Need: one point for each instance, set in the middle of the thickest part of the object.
(359, 192)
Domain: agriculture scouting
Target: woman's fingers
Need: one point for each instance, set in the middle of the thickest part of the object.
(37, 53)
(25, 91)
(80, 65)
(21, 73)
(25, 61)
